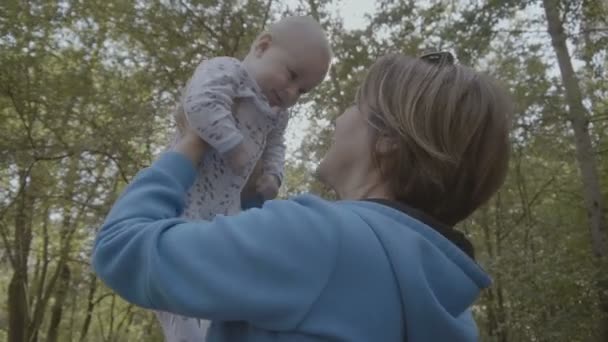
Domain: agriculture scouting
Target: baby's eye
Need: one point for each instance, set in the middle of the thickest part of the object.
(292, 74)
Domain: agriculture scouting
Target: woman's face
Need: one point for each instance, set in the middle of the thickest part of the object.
(349, 157)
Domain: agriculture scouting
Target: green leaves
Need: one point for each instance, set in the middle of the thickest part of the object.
(86, 89)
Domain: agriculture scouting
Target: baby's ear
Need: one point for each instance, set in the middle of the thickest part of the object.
(262, 43)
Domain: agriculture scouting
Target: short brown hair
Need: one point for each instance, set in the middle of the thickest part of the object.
(450, 127)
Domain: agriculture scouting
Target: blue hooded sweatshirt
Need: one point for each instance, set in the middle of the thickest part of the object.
(303, 269)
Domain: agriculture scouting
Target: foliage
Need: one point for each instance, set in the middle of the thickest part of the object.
(85, 92)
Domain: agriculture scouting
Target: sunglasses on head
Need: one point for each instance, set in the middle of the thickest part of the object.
(438, 58)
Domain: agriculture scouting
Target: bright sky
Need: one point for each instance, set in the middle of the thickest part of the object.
(352, 12)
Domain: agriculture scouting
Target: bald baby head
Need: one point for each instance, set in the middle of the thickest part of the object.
(300, 31)
(289, 59)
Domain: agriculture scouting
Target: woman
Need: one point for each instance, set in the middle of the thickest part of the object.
(424, 145)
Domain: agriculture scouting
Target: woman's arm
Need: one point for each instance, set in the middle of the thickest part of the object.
(266, 266)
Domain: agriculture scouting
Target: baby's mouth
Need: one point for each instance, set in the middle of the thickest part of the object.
(276, 98)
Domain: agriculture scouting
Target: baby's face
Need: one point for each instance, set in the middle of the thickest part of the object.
(285, 72)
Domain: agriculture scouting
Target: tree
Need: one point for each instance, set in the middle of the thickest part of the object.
(86, 89)
(585, 153)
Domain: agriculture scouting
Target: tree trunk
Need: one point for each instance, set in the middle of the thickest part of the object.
(17, 308)
(497, 315)
(57, 310)
(90, 306)
(578, 117)
(580, 124)
(18, 314)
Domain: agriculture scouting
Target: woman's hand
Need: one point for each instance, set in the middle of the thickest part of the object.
(190, 144)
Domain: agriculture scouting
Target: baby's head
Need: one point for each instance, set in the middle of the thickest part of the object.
(289, 59)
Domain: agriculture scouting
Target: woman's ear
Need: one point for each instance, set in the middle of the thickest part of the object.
(262, 44)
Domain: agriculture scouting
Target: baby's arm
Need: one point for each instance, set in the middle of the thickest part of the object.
(208, 101)
(273, 158)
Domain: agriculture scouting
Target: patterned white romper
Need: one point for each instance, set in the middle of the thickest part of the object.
(226, 106)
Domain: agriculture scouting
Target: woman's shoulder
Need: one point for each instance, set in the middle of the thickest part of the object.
(314, 203)
(308, 210)
(307, 202)
(359, 208)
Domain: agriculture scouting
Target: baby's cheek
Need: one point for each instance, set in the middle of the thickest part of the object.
(282, 78)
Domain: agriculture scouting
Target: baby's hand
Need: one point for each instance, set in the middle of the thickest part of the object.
(268, 186)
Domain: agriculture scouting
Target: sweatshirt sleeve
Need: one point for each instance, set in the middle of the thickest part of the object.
(265, 266)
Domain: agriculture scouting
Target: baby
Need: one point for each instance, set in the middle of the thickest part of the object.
(240, 109)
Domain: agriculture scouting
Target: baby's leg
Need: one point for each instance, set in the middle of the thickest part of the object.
(178, 328)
